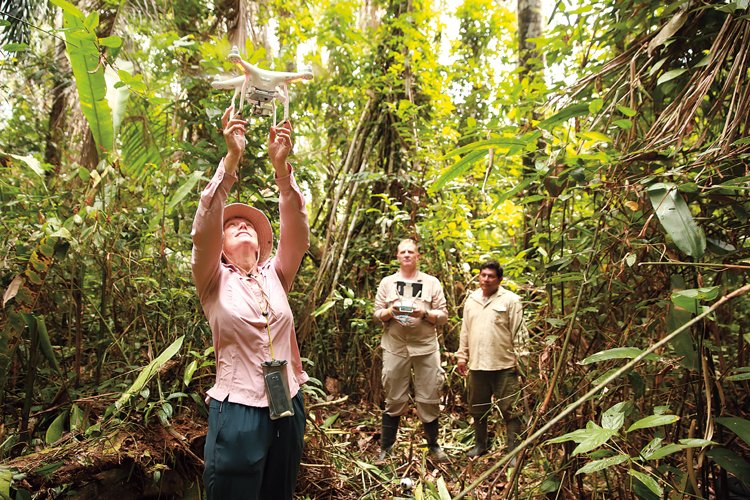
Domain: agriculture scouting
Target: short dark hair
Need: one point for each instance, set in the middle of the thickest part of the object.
(492, 264)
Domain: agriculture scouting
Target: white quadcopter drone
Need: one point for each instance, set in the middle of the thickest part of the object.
(262, 87)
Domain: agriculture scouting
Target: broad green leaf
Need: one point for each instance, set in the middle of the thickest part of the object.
(91, 22)
(690, 299)
(459, 168)
(149, 371)
(37, 323)
(656, 453)
(77, 418)
(623, 124)
(663, 451)
(648, 481)
(184, 190)
(720, 247)
(594, 438)
(56, 428)
(603, 463)
(565, 114)
(181, 192)
(577, 436)
(323, 308)
(653, 421)
(738, 377)
(617, 353)
(68, 8)
(513, 191)
(596, 136)
(695, 442)
(15, 47)
(189, 371)
(738, 425)
(652, 446)
(83, 52)
(614, 418)
(674, 215)
(111, 42)
(6, 478)
(657, 66)
(670, 75)
(731, 462)
(498, 143)
(683, 344)
(629, 112)
(46, 345)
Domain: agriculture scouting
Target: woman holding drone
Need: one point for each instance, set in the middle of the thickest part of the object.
(256, 417)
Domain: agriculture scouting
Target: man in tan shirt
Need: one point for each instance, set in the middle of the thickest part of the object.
(410, 304)
(493, 340)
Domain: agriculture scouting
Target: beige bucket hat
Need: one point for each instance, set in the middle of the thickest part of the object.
(259, 221)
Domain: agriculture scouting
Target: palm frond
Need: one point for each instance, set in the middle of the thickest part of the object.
(21, 16)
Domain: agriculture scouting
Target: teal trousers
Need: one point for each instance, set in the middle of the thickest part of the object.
(250, 456)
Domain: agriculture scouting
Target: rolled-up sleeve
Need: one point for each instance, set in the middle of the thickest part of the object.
(381, 303)
(207, 232)
(294, 230)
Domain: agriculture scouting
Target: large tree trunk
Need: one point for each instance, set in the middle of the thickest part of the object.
(529, 28)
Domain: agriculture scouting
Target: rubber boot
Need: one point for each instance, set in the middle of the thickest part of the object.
(512, 433)
(434, 450)
(480, 438)
(388, 435)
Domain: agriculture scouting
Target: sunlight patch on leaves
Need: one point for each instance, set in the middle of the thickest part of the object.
(653, 421)
(603, 463)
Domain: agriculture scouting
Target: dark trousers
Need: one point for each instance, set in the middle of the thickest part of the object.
(250, 456)
(503, 384)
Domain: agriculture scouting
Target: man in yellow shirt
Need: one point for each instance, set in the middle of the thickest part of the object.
(493, 340)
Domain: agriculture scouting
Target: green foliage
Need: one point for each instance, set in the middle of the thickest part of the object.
(592, 175)
(86, 61)
(675, 216)
(149, 371)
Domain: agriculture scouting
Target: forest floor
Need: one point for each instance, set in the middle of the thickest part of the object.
(132, 460)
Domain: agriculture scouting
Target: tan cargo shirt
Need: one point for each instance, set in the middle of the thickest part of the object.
(418, 336)
(493, 332)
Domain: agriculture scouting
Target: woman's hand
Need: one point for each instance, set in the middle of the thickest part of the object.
(279, 147)
(234, 135)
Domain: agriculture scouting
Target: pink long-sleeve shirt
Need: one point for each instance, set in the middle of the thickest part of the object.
(239, 331)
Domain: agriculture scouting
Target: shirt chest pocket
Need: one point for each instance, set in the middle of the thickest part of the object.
(500, 315)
